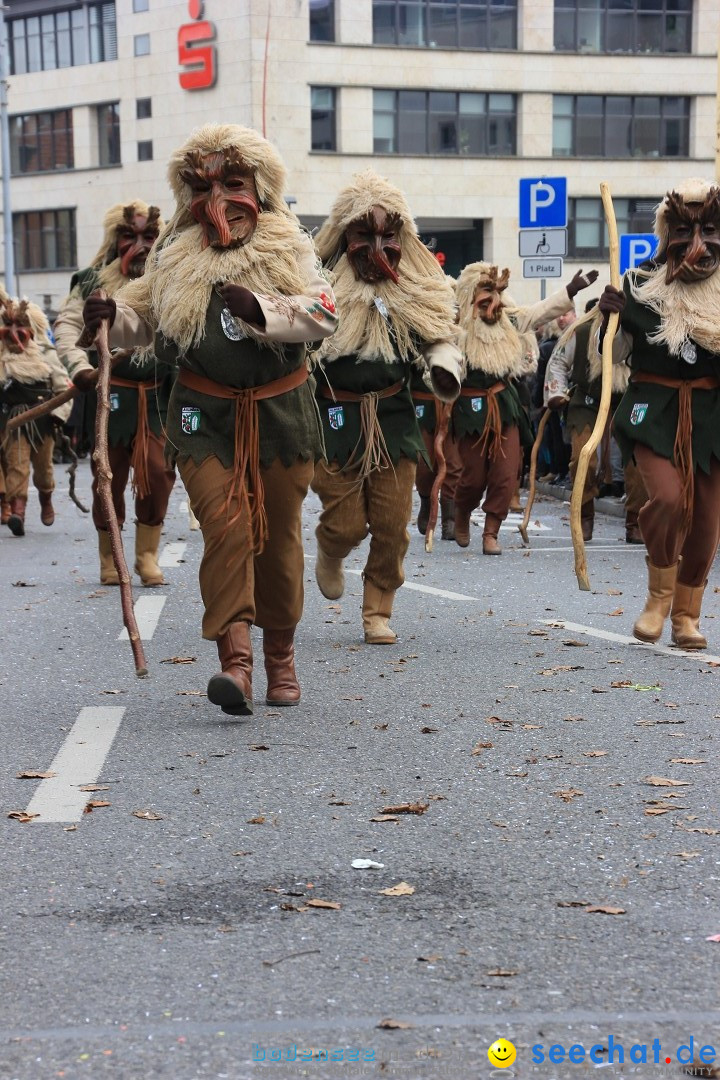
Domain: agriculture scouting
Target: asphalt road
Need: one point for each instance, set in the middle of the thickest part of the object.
(174, 932)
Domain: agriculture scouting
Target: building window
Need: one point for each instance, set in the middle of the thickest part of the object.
(41, 142)
(141, 45)
(623, 26)
(143, 108)
(145, 150)
(619, 126)
(45, 240)
(462, 24)
(322, 102)
(322, 20)
(108, 127)
(587, 233)
(62, 39)
(140, 5)
(443, 122)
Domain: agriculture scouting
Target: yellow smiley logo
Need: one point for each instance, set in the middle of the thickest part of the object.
(502, 1053)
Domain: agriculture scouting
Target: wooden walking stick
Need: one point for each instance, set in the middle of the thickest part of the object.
(104, 481)
(592, 444)
(522, 528)
(442, 422)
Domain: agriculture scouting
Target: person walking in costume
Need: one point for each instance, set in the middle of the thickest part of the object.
(30, 373)
(490, 422)
(397, 313)
(233, 293)
(139, 392)
(573, 381)
(668, 417)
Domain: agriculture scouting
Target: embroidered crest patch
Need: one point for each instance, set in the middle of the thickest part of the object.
(114, 402)
(638, 413)
(589, 400)
(476, 404)
(230, 326)
(190, 419)
(336, 416)
(419, 411)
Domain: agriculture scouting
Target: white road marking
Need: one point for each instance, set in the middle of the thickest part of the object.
(78, 762)
(511, 523)
(183, 507)
(608, 635)
(147, 613)
(426, 589)
(618, 548)
(172, 554)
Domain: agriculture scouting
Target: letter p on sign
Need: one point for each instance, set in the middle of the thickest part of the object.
(543, 202)
(636, 248)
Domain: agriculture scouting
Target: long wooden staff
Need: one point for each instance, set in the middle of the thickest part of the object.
(592, 444)
(442, 421)
(104, 481)
(522, 528)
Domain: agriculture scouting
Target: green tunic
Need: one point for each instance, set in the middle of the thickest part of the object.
(396, 414)
(649, 413)
(200, 425)
(584, 404)
(425, 412)
(470, 413)
(123, 420)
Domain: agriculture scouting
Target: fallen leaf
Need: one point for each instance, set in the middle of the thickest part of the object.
(238, 853)
(655, 811)
(502, 972)
(575, 719)
(595, 753)
(94, 787)
(179, 660)
(328, 905)
(572, 903)
(401, 889)
(29, 774)
(613, 592)
(22, 815)
(427, 730)
(394, 1025)
(479, 747)
(617, 611)
(69, 828)
(664, 781)
(258, 820)
(568, 794)
(147, 815)
(704, 832)
(22, 585)
(576, 644)
(621, 685)
(604, 909)
(385, 817)
(406, 808)
(688, 761)
(93, 804)
(191, 693)
(560, 667)
(685, 854)
(432, 959)
(258, 746)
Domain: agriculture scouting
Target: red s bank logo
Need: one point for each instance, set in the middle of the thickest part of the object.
(194, 52)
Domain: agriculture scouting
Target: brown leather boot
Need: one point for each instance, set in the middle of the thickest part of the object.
(490, 535)
(462, 527)
(661, 586)
(423, 514)
(231, 688)
(147, 542)
(685, 616)
(447, 517)
(47, 510)
(108, 573)
(632, 528)
(16, 521)
(4, 510)
(587, 519)
(282, 685)
(376, 611)
(515, 506)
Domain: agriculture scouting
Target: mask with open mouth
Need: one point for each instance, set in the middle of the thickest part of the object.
(224, 197)
(373, 245)
(692, 252)
(135, 236)
(487, 297)
(15, 329)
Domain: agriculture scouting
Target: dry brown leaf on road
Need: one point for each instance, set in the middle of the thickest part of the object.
(501, 972)
(325, 905)
(595, 753)
(31, 774)
(704, 832)
(617, 611)
(147, 815)
(688, 761)
(95, 787)
(406, 808)
(179, 660)
(394, 1025)
(685, 854)
(664, 781)
(479, 747)
(572, 644)
(401, 889)
(259, 819)
(93, 804)
(432, 959)
(386, 817)
(573, 903)
(22, 815)
(568, 794)
(604, 909)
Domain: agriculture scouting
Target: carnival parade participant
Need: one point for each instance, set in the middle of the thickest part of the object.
(138, 393)
(233, 293)
(426, 411)
(668, 418)
(396, 311)
(30, 373)
(573, 381)
(490, 422)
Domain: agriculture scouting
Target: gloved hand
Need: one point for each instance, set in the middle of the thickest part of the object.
(96, 309)
(611, 300)
(85, 379)
(556, 403)
(241, 303)
(581, 281)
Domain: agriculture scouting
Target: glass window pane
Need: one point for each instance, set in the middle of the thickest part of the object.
(18, 59)
(677, 33)
(618, 129)
(33, 45)
(411, 24)
(589, 31)
(442, 125)
(501, 103)
(412, 122)
(79, 39)
(502, 33)
(48, 43)
(501, 135)
(646, 136)
(49, 240)
(563, 105)
(384, 24)
(472, 104)
(650, 33)
(589, 137)
(675, 138)
(46, 158)
(562, 136)
(110, 32)
(472, 32)
(322, 20)
(323, 118)
(442, 25)
(565, 39)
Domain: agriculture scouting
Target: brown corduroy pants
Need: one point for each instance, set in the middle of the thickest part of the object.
(379, 506)
(150, 510)
(235, 583)
(635, 494)
(661, 518)
(19, 456)
(480, 472)
(425, 477)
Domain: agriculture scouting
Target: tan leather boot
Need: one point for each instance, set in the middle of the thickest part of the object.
(4, 510)
(147, 542)
(587, 519)
(329, 575)
(490, 535)
(685, 616)
(376, 611)
(108, 573)
(16, 521)
(282, 685)
(462, 527)
(447, 517)
(423, 514)
(231, 688)
(661, 585)
(47, 510)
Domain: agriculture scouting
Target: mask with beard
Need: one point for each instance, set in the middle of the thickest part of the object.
(692, 252)
(373, 245)
(487, 297)
(135, 237)
(224, 197)
(15, 328)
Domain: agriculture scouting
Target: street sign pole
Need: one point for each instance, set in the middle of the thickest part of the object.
(543, 206)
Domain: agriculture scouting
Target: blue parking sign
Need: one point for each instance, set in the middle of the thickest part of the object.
(543, 202)
(635, 248)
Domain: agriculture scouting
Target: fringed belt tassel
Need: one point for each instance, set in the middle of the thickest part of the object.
(493, 424)
(682, 450)
(375, 453)
(247, 443)
(141, 442)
